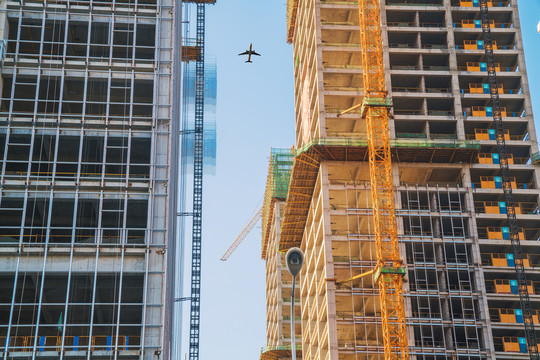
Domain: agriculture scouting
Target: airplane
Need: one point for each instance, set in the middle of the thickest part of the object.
(249, 53)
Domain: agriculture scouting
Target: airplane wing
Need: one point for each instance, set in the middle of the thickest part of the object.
(244, 53)
(254, 53)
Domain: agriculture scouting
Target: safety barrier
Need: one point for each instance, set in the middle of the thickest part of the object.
(485, 111)
(511, 316)
(71, 343)
(495, 182)
(475, 24)
(480, 66)
(493, 158)
(506, 286)
(514, 344)
(506, 260)
(489, 134)
(502, 233)
(476, 3)
(471, 3)
(476, 45)
(483, 88)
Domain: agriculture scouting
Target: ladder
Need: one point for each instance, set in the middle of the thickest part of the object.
(198, 148)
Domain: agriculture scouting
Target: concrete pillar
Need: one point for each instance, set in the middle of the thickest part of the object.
(448, 338)
(456, 91)
(524, 80)
(435, 221)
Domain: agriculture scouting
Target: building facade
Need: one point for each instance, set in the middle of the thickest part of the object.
(88, 201)
(460, 290)
(278, 279)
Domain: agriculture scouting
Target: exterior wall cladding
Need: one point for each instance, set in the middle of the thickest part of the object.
(85, 141)
(279, 291)
(459, 289)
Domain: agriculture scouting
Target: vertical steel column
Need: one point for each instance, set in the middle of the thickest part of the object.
(119, 305)
(149, 236)
(532, 341)
(198, 147)
(51, 192)
(175, 240)
(98, 240)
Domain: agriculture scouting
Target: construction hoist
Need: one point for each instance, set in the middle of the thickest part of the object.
(525, 302)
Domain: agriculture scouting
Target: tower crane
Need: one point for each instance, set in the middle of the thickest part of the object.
(254, 220)
(389, 271)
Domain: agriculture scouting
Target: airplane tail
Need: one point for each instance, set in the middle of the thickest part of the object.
(249, 61)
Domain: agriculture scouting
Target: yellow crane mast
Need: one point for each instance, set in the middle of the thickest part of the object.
(375, 105)
(389, 270)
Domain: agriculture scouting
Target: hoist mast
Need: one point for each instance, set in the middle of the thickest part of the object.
(525, 302)
(389, 271)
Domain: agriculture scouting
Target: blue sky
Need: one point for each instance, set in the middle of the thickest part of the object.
(255, 111)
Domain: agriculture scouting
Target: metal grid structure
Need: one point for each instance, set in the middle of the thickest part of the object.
(87, 184)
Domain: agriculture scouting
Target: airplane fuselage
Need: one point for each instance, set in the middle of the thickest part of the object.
(249, 53)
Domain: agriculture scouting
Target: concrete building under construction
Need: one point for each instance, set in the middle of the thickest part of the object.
(89, 177)
(460, 292)
(278, 279)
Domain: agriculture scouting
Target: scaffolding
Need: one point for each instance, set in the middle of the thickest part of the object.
(277, 186)
(308, 157)
(292, 8)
